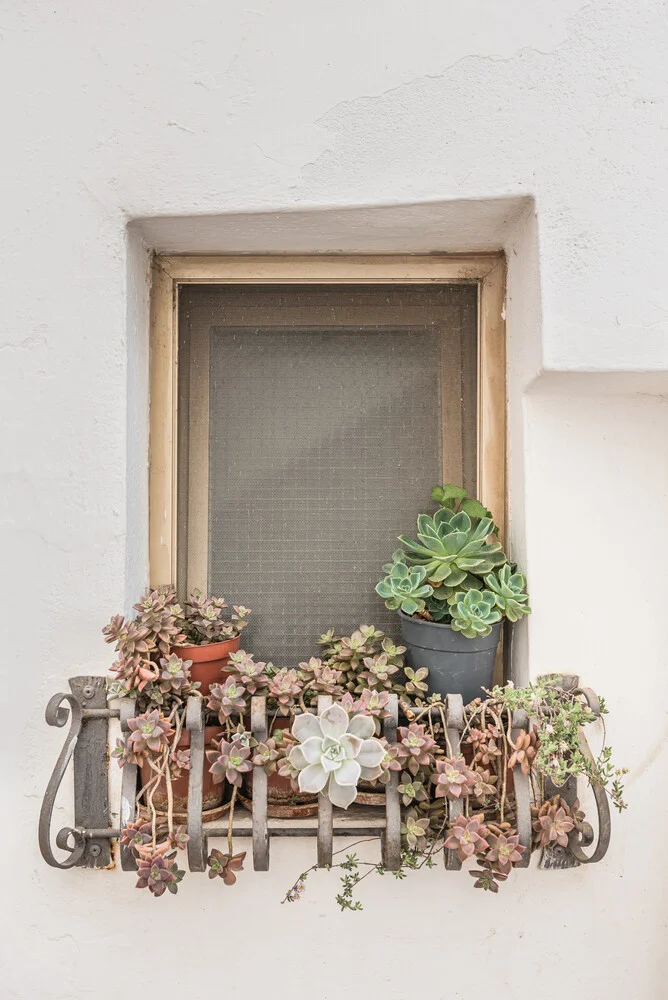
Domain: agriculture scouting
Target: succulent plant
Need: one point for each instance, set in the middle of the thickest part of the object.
(179, 838)
(504, 851)
(149, 732)
(287, 769)
(373, 702)
(404, 588)
(334, 752)
(450, 547)
(285, 687)
(453, 778)
(320, 678)
(467, 836)
(253, 675)
(474, 612)
(361, 643)
(484, 784)
(509, 589)
(140, 642)
(347, 655)
(487, 744)
(229, 761)
(157, 873)
(378, 672)
(160, 624)
(137, 835)
(553, 823)
(266, 755)
(487, 877)
(201, 620)
(413, 830)
(389, 762)
(415, 680)
(225, 865)
(415, 747)
(124, 753)
(227, 699)
(179, 760)
(526, 747)
(175, 675)
(411, 790)
(455, 553)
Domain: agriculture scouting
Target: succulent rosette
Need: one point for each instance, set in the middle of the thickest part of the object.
(333, 752)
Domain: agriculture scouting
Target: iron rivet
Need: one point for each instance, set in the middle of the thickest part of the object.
(95, 850)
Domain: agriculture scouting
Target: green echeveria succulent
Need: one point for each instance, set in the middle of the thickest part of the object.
(509, 589)
(404, 587)
(474, 612)
(450, 547)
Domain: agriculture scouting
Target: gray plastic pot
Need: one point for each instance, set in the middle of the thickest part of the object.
(457, 665)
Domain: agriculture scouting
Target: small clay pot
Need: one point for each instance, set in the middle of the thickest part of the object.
(208, 662)
(212, 794)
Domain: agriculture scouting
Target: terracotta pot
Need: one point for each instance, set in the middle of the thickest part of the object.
(212, 794)
(279, 788)
(208, 661)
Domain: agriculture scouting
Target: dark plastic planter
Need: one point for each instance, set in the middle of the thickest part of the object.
(457, 665)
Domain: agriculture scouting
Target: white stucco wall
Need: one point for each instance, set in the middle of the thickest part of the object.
(539, 127)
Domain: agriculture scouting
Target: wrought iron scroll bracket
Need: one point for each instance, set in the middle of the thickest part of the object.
(558, 857)
(86, 745)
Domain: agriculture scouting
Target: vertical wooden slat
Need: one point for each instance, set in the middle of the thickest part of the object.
(260, 830)
(163, 429)
(325, 811)
(492, 394)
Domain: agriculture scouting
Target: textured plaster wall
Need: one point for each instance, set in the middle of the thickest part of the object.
(536, 127)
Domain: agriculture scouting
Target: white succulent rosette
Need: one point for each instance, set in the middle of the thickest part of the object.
(334, 752)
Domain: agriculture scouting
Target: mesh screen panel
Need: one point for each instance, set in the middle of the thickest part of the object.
(314, 421)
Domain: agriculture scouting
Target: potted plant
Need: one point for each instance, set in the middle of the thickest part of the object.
(453, 587)
(207, 637)
(161, 682)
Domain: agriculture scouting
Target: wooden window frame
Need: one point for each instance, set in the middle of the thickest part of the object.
(487, 271)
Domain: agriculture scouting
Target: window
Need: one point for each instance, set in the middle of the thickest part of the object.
(304, 410)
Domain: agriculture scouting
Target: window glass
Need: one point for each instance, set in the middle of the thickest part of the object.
(313, 422)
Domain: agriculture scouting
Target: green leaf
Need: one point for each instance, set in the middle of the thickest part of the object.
(474, 508)
(442, 494)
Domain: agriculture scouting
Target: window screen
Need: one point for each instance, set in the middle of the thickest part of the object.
(313, 422)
